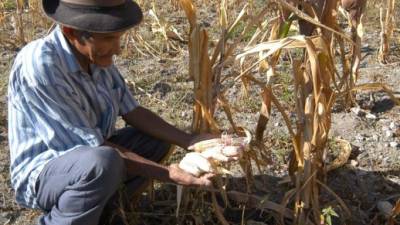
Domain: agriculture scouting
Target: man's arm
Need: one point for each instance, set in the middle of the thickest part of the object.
(148, 122)
(137, 165)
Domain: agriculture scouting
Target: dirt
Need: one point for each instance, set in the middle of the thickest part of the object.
(371, 175)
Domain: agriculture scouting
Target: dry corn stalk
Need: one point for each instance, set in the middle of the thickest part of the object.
(200, 70)
(387, 25)
(206, 75)
(207, 84)
(315, 106)
(325, 12)
(314, 96)
(351, 62)
(19, 29)
(314, 99)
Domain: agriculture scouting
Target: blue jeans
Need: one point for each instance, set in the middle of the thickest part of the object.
(75, 188)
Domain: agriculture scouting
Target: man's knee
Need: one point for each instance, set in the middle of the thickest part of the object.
(105, 164)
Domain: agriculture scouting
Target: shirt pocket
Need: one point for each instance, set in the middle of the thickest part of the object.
(116, 97)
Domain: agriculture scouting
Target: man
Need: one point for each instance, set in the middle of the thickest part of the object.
(64, 98)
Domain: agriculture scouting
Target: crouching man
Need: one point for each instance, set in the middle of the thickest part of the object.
(64, 98)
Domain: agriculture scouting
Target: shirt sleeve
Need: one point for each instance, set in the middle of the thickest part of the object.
(57, 117)
(126, 100)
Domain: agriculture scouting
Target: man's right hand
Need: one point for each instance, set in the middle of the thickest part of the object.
(180, 177)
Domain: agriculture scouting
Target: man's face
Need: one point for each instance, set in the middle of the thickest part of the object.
(99, 48)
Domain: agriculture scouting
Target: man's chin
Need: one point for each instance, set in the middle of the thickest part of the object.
(104, 64)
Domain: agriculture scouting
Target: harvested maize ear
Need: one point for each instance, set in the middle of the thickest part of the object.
(200, 146)
(210, 154)
(225, 140)
(195, 164)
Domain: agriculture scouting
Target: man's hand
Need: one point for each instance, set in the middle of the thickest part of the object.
(180, 177)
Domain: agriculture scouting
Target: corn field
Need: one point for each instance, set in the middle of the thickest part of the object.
(251, 44)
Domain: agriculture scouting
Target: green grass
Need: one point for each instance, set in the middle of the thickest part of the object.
(9, 5)
(286, 94)
(250, 104)
(281, 146)
(236, 32)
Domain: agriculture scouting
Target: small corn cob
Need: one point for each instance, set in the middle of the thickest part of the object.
(225, 140)
(200, 146)
(215, 153)
(232, 150)
(195, 164)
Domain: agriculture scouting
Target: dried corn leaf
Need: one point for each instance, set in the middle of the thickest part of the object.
(273, 46)
(265, 113)
(209, 118)
(239, 18)
(179, 194)
(190, 10)
(223, 17)
(377, 87)
(227, 109)
(217, 210)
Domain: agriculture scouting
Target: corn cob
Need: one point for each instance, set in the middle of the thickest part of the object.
(209, 154)
(200, 146)
(215, 153)
(227, 141)
(232, 151)
(195, 164)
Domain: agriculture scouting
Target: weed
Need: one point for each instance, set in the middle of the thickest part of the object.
(327, 214)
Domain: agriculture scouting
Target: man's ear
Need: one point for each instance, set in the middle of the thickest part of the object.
(72, 34)
(68, 32)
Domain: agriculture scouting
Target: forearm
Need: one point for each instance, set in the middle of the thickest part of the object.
(139, 166)
(148, 122)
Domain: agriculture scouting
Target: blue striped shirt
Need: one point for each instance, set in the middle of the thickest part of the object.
(55, 107)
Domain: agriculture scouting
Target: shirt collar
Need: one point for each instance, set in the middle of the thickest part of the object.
(64, 51)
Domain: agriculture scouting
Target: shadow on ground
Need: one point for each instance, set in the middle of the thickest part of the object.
(360, 190)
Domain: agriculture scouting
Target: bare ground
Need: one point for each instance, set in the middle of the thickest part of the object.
(371, 176)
